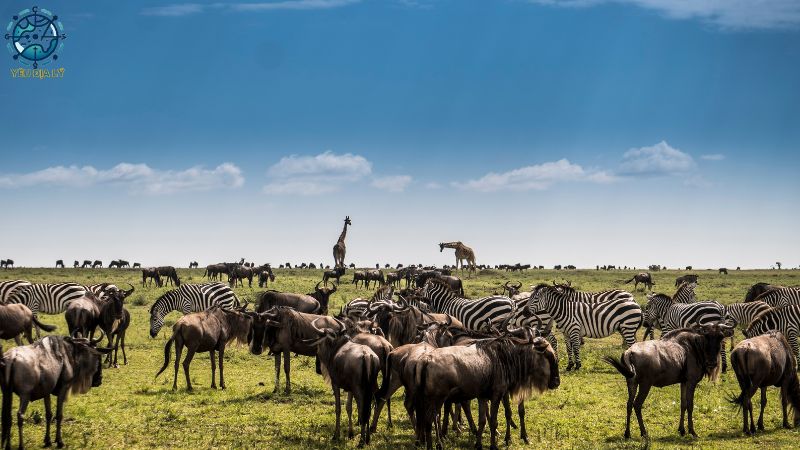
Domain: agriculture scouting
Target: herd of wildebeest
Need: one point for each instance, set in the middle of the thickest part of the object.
(423, 335)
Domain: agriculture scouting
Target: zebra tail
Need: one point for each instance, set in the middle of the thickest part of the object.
(622, 368)
(167, 352)
(43, 326)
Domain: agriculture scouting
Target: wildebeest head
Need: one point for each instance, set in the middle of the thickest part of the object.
(713, 333)
(258, 328)
(86, 360)
(323, 295)
(512, 290)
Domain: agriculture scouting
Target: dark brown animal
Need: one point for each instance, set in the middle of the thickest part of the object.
(17, 319)
(313, 303)
(644, 278)
(682, 356)
(207, 331)
(151, 274)
(170, 273)
(760, 362)
(688, 278)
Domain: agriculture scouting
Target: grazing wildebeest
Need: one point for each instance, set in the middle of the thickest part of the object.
(265, 275)
(240, 273)
(359, 275)
(86, 263)
(723, 270)
(137, 265)
(124, 264)
(170, 273)
(760, 362)
(113, 264)
(489, 371)
(644, 278)
(7, 263)
(16, 319)
(394, 279)
(688, 278)
(152, 274)
(76, 264)
(97, 263)
(193, 265)
(334, 273)
(313, 303)
(60, 264)
(206, 331)
(682, 356)
(213, 271)
(374, 275)
(55, 365)
(349, 366)
(284, 330)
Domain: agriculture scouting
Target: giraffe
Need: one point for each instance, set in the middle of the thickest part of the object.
(462, 253)
(339, 249)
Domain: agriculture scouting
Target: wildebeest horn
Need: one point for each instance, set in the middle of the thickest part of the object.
(506, 283)
(94, 342)
(341, 324)
(448, 319)
(334, 288)
(538, 324)
(519, 285)
(314, 325)
(549, 328)
(129, 292)
(316, 288)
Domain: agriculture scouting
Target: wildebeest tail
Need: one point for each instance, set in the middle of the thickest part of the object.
(385, 383)
(420, 379)
(43, 326)
(626, 282)
(167, 351)
(745, 383)
(621, 367)
(5, 436)
(368, 381)
(793, 392)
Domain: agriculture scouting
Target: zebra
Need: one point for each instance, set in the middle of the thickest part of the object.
(575, 295)
(358, 306)
(785, 319)
(684, 294)
(8, 287)
(577, 319)
(782, 296)
(662, 311)
(47, 298)
(474, 314)
(743, 314)
(101, 290)
(540, 320)
(190, 298)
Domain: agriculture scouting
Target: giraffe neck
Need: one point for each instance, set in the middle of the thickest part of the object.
(344, 234)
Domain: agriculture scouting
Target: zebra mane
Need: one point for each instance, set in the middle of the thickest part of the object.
(160, 298)
(657, 297)
(760, 317)
(683, 287)
(442, 284)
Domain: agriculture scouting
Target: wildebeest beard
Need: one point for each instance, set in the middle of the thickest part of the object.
(517, 365)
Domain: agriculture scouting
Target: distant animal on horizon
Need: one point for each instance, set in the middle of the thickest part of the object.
(193, 265)
(6, 263)
(723, 271)
(688, 278)
(462, 253)
(60, 264)
(644, 278)
(339, 249)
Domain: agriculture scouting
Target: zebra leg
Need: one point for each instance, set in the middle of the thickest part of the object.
(569, 343)
(724, 358)
(576, 348)
(793, 344)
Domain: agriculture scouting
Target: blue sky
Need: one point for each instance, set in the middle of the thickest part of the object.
(549, 132)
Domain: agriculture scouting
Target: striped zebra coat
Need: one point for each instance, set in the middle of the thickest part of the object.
(475, 314)
(190, 298)
(47, 298)
(779, 297)
(743, 314)
(577, 318)
(785, 319)
(8, 287)
(684, 294)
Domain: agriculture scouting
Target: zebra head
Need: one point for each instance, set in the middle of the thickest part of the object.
(655, 310)
(761, 325)
(161, 307)
(541, 298)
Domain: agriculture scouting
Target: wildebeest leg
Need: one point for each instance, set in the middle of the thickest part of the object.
(178, 351)
(684, 387)
(121, 343)
(349, 409)
(468, 413)
(631, 396)
(482, 409)
(286, 368)
(448, 409)
(763, 405)
(23, 405)
(186, 362)
(213, 368)
(509, 419)
(785, 400)
(18, 340)
(221, 369)
(338, 402)
(644, 389)
(60, 399)
(690, 407)
(48, 417)
(277, 371)
(493, 422)
(523, 430)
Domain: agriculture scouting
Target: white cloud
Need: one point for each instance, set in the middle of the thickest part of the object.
(394, 183)
(536, 177)
(659, 159)
(137, 178)
(433, 185)
(319, 174)
(713, 157)
(185, 9)
(727, 14)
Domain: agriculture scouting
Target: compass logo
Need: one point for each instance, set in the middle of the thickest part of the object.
(35, 37)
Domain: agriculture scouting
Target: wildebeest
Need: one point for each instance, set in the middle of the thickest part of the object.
(55, 365)
(86, 263)
(113, 264)
(723, 270)
(16, 319)
(6, 263)
(137, 265)
(511, 291)
(688, 278)
(151, 273)
(60, 264)
(214, 271)
(349, 366)
(757, 289)
(241, 273)
(644, 278)
(76, 264)
(489, 371)
(97, 263)
(85, 314)
(359, 275)
(314, 302)
(335, 273)
(193, 265)
(760, 362)
(206, 331)
(265, 275)
(170, 273)
(374, 275)
(284, 330)
(683, 356)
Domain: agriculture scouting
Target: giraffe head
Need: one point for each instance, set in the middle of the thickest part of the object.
(347, 220)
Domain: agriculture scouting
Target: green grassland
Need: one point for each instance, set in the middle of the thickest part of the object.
(134, 409)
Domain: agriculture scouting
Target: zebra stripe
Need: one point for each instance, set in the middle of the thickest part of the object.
(190, 298)
(47, 298)
(743, 314)
(685, 293)
(779, 297)
(8, 287)
(101, 290)
(577, 319)
(785, 319)
(474, 314)
(574, 295)
(538, 320)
